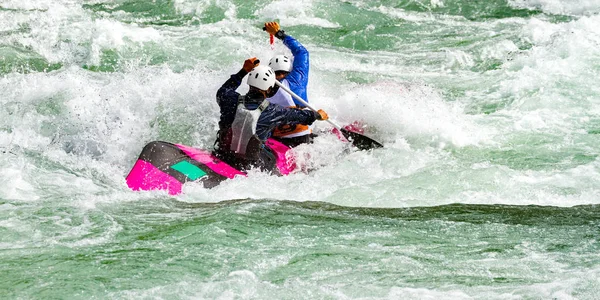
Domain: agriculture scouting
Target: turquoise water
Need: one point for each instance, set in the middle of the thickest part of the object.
(487, 187)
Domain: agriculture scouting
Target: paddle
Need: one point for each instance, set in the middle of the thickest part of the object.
(358, 140)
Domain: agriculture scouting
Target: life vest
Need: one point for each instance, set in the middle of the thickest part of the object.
(243, 129)
(284, 99)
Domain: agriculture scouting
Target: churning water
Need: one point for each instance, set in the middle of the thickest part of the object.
(486, 189)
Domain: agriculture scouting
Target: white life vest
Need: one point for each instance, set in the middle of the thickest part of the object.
(284, 99)
(243, 127)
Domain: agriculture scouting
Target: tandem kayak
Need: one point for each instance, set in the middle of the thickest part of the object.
(167, 166)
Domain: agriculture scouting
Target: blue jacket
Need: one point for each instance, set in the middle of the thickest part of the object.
(271, 117)
(298, 77)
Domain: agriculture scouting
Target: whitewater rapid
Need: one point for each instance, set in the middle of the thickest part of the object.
(452, 132)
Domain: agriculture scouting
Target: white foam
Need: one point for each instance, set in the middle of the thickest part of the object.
(105, 119)
(109, 34)
(292, 13)
(417, 17)
(26, 5)
(247, 284)
(414, 111)
(199, 7)
(44, 28)
(550, 81)
(16, 185)
(57, 30)
(499, 50)
(568, 7)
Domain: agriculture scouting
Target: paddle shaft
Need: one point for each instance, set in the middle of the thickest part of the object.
(281, 86)
(360, 141)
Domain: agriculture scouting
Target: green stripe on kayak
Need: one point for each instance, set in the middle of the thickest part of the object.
(189, 170)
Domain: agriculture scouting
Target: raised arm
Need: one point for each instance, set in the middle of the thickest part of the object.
(298, 76)
(227, 90)
(299, 73)
(227, 97)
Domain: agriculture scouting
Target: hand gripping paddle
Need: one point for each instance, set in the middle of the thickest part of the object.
(358, 140)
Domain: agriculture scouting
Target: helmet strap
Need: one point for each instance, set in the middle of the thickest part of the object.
(256, 93)
(272, 91)
(278, 73)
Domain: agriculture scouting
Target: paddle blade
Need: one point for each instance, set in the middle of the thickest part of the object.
(360, 141)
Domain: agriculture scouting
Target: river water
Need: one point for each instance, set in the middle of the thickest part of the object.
(487, 187)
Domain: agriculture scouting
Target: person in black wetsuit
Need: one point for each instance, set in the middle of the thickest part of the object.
(248, 120)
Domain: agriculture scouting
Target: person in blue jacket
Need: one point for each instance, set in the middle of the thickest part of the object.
(293, 75)
(247, 121)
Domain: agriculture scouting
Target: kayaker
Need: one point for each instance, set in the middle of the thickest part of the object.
(248, 120)
(293, 73)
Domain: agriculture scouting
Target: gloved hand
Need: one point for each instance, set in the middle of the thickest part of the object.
(250, 63)
(272, 27)
(322, 115)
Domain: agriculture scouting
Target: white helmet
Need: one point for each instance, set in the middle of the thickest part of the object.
(261, 77)
(280, 63)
